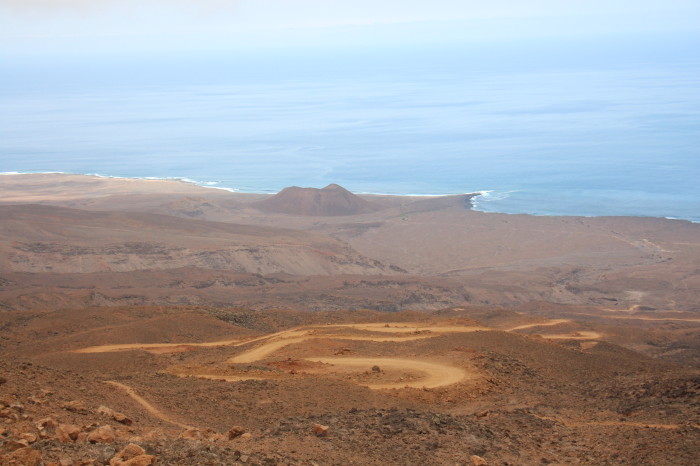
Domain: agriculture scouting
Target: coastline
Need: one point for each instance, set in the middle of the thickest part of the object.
(160, 185)
(211, 184)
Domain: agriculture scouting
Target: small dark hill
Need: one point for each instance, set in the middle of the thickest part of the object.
(333, 200)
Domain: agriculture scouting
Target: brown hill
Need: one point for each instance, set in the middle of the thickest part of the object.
(36, 239)
(333, 200)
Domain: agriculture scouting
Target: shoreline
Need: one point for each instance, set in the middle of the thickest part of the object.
(188, 182)
(210, 184)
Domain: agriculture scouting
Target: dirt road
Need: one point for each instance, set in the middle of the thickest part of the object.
(159, 347)
(431, 374)
(148, 406)
(436, 375)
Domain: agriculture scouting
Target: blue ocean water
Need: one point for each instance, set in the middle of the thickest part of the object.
(565, 129)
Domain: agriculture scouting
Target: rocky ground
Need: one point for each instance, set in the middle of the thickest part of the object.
(535, 401)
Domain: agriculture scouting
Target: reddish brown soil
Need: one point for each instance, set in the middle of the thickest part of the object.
(534, 400)
(583, 344)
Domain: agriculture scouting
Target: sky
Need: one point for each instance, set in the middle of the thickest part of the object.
(64, 27)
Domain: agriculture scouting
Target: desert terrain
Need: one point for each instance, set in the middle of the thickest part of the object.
(159, 322)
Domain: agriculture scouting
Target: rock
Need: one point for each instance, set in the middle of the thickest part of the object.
(67, 433)
(246, 436)
(12, 445)
(320, 430)
(46, 427)
(106, 454)
(29, 437)
(192, 434)
(132, 455)
(104, 434)
(3, 380)
(46, 423)
(376, 369)
(105, 411)
(19, 407)
(478, 461)
(24, 456)
(235, 431)
(482, 414)
(66, 462)
(119, 417)
(129, 452)
(200, 434)
(75, 407)
(141, 460)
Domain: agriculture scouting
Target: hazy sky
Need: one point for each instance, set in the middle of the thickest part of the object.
(74, 26)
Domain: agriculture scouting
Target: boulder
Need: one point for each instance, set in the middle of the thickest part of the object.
(67, 433)
(29, 437)
(103, 434)
(478, 461)
(132, 455)
(47, 424)
(191, 434)
(75, 407)
(235, 431)
(129, 453)
(106, 453)
(119, 417)
(105, 411)
(24, 456)
(12, 445)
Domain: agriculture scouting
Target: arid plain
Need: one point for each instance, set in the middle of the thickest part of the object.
(317, 326)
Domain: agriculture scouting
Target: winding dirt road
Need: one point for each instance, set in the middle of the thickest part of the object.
(433, 374)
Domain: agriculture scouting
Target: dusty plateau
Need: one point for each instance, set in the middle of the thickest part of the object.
(159, 322)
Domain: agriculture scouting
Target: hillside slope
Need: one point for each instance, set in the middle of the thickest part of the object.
(36, 238)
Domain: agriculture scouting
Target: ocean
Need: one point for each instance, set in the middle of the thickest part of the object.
(547, 129)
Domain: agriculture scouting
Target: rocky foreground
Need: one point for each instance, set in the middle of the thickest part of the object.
(534, 401)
